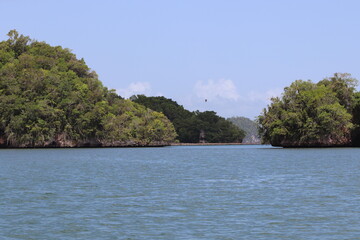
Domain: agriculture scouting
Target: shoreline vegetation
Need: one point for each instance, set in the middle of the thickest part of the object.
(136, 146)
(49, 98)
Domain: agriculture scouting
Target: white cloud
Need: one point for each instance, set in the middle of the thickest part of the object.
(225, 99)
(222, 88)
(264, 96)
(135, 88)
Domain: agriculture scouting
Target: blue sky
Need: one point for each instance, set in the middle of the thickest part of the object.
(236, 54)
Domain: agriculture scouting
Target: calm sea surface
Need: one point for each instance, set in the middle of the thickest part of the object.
(207, 192)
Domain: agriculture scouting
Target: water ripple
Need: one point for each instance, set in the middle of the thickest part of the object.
(227, 192)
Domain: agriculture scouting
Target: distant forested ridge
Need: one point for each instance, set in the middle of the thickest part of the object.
(250, 127)
(194, 127)
(49, 98)
(308, 114)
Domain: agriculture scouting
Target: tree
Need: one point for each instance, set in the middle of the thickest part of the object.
(310, 114)
(48, 97)
(344, 87)
(189, 125)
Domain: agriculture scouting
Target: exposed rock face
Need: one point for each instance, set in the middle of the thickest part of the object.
(253, 139)
(62, 142)
(2, 141)
(325, 142)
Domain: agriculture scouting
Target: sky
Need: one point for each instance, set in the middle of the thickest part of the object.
(235, 54)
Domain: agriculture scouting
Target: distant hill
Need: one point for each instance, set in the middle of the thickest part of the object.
(249, 126)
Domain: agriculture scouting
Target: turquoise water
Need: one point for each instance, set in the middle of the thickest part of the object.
(208, 192)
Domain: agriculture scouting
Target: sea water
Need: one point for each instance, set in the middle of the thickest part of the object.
(182, 192)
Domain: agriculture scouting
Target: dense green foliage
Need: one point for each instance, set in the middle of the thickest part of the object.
(250, 127)
(309, 114)
(50, 98)
(190, 125)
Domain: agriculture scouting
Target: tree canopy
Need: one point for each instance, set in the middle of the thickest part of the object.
(48, 97)
(193, 127)
(310, 114)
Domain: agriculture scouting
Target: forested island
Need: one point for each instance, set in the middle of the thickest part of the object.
(323, 114)
(194, 127)
(49, 98)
